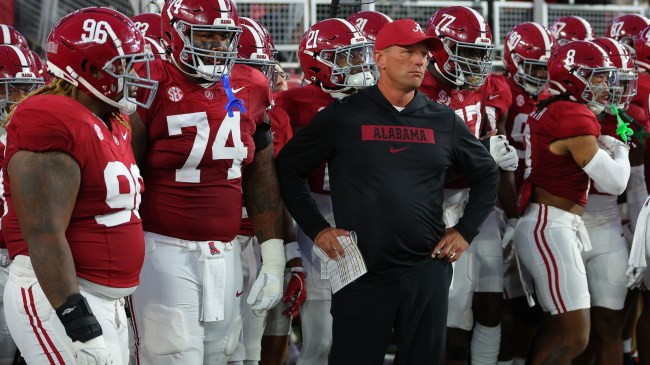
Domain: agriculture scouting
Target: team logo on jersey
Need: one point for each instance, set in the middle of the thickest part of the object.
(209, 94)
(99, 132)
(520, 100)
(443, 98)
(461, 98)
(175, 94)
(117, 141)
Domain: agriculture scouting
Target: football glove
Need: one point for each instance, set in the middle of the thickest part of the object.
(503, 154)
(92, 352)
(296, 292)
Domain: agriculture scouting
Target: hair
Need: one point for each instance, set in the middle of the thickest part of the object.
(543, 104)
(63, 88)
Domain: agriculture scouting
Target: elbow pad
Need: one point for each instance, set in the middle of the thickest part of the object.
(610, 175)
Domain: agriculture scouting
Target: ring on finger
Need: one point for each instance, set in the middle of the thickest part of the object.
(452, 255)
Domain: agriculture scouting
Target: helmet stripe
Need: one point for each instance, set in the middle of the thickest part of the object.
(256, 36)
(479, 18)
(586, 24)
(223, 7)
(255, 25)
(352, 28)
(24, 64)
(625, 58)
(21, 55)
(5, 32)
(547, 40)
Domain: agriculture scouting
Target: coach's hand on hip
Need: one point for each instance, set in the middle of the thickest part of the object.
(328, 241)
(451, 246)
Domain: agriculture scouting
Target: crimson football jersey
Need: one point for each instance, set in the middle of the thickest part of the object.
(517, 129)
(560, 175)
(280, 126)
(301, 105)
(498, 98)
(195, 154)
(469, 105)
(250, 85)
(105, 232)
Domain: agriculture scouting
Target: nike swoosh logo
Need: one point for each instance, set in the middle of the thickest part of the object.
(235, 91)
(124, 135)
(239, 293)
(395, 150)
(492, 97)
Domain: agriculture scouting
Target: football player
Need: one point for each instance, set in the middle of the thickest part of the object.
(527, 47)
(19, 76)
(605, 263)
(255, 49)
(73, 188)
(150, 24)
(625, 28)
(369, 22)
(205, 142)
(565, 154)
(337, 60)
(458, 76)
(571, 28)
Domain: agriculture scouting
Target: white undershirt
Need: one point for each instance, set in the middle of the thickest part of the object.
(399, 108)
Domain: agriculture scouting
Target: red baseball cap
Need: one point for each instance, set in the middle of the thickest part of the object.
(402, 32)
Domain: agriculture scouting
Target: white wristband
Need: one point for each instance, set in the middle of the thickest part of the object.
(291, 251)
(273, 254)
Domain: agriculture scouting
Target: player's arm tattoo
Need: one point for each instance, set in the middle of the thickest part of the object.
(44, 188)
(262, 196)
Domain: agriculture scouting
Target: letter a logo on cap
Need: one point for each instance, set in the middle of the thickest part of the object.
(418, 28)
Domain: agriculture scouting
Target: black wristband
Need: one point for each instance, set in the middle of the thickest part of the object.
(77, 318)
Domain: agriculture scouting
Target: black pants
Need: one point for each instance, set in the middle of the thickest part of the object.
(414, 307)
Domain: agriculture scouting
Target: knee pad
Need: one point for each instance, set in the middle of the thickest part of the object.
(164, 330)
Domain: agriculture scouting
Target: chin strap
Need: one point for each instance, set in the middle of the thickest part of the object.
(232, 101)
(622, 129)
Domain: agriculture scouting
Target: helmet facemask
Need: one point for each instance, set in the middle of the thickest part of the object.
(130, 82)
(627, 89)
(352, 66)
(525, 77)
(13, 90)
(468, 63)
(598, 81)
(200, 41)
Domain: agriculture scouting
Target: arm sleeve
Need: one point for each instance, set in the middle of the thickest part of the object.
(307, 150)
(472, 159)
(610, 175)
